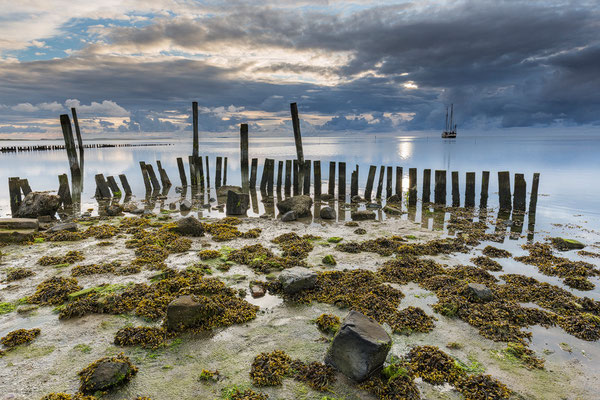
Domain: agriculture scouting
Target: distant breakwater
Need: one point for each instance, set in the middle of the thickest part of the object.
(15, 149)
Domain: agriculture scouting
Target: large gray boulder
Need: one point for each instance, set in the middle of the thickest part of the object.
(223, 190)
(237, 203)
(327, 213)
(299, 204)
(190, 312)
(189, 226)
(297, 278)
(36, 204)
(106, 373)
(479, 292)
(289, 216)
(359, 348)
(363, 215)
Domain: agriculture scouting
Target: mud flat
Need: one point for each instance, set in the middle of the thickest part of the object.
(108, 257)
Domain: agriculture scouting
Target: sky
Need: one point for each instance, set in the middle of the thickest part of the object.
(131, 67)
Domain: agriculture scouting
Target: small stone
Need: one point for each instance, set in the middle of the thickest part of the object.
(257, 291)
(479, 292)
(297, 278)
(327, 213)
(185, 205)
(374, 206)
(392, 210)
(66, 227)
(138, 211)
(329, 260)
(289, 216)
(567, 244)
(237, 203)
(114, 210)
(130, 206)
(359, 348)
(189, 226)
(172, 206)
(356, 199)
(360, 231)
(362, 215)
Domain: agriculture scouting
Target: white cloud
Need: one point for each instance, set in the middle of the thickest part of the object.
(107, 108)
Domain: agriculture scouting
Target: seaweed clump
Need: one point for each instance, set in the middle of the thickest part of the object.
(412, 319)
(92, 269)
(15, 274)
(262, 259)
(524, 355)
(315, 374)
(247, 394)
(293, 245)
(328, 323)
(66, 396)
(486, 263)
(269, 369)
(395, 381)
(209, 254)
(476, 387)
(495, 252)
(433, 365)
(71, 257)
(405, 269)
(20, 336)
(225, 229)
(89, 382)
(54, 291)
(146, 337)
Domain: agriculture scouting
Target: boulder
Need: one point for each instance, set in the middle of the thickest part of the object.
(297, 278)
(356, 199)
(362, 215)
(130, 207)
(19, 223)
(185, 205)
(479, 292)
(392, 209)
(300, 204)
(114, 210)
(237, 203)
(223, 190)
(563, 244)
(327, 213)
(36, 204)
(190, 311)
(189, 226)
(65, 227)
(257, 291)
(106, 373)
(289, 216)
(137, 211)
(359, 348)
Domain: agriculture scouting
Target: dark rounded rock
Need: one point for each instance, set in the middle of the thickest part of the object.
(327, 213)
(189, 226)
(299, 204)
(36, 204)
(289, 216)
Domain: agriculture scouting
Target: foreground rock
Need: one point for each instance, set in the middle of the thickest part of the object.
(106, 373)
(359, 348)
(237, 203)
(479, 292)
(65, 227)
(36, 204)
(222, 191)
(297, 278)
(189, 226)
(327, 213)
(299, 204)
(563, 244)
(362, 215)
(185, 205)
(289, 216)
(190, 311)
(19, 223)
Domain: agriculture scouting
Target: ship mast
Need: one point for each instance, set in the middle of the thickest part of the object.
(446, 128)
(451, 115)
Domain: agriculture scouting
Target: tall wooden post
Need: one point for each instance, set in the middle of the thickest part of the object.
(331, 179)
(504, 190)
(370, 179)
(207, 171)
(195, 127)
(485, 183)
(470, 190)
(265, 174)
(270, 176)
(101, 186)
(380, 182)
(164, 178)
(244, 156)
(77, 131)
(225, 171)
(65, 123)
(145, 177)
(426, 186)
(26, 188)
(306, 176)
(455, 190)
(63, 190)
(218, 172)
(534, 193)
(193, 175)
(342, 181)
(279, 176)
(297, 138)
(181, 172)
(354, 182)
(125, 185)
(296, 179)
(317, 173)
(288, 178)
(112, 184)
(399, 181)
(520, 193)
(440, 188)
(389, 182)
(412, 186)
(253, 169)
(14, 190)
(153, 179)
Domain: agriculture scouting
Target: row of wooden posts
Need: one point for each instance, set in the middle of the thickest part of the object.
(14, 149)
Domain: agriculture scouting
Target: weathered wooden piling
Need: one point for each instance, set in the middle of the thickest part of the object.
(264, 176)
(331, 179)
(181, 169)
(455, 190)
(164, 178)
(440, 188)
(504, 190)
(225, 171)
(380, 182)
(370, 179)
(399, 181)
(195, 127)
(306, 176)
(485, 183)
(288, 177)
(389, 182)
(520, 193)
(426, 186)
(207, 174)
(297, 138)
(317, 177)
(193, 176)
(146, 178)
(24, 183)
(354, 182)
(125, 184)
(279, 176)
(244, 156)
(199, 168)
(112, 184)
(534, 193)
(270, 176)
(63, 190)
(296, 179)
(153, 179)
(14, 190)
(470, 190)
(101, 187)
(218, 168)
(65, 123)
(77, 132)
(253, 169)
(342, 181)
(412, 186)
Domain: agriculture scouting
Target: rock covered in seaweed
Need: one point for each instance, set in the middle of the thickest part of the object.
(36, 204)
(191, 311)
(106, 373)
(189, 226)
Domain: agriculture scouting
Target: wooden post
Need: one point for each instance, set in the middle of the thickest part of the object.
(412, 186)
(504, 190)
(63, 190)
(370, 179)
(399, 181)
(534, 193)
(279, 176)
(264, 176)
(296, 180)
(125, 185)
(306, 175)
(342, 181)
(207, 174)
(164, 178)
(225, 171)
(455, 191)
(298, 139)
(426, 186)
(24, 183)
(112, 184)
(389, 182)
(270, 176)
(331, 179)
(145, 176)
(77, 131)
(440, 188)
(253, 173)
(152, 175)
(380, 183)
(354, 182)
(288, 177)
(520, 193)
(65, 123)
(195, 126)
(244, 156)
(193, 176)
(470, 190)
(14, 190)
(317, 173)
(485, 182)
(102, 187)
(218, 172)
(199, 171)
(181, 172)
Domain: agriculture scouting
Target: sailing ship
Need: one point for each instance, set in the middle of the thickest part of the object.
(450, 129)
